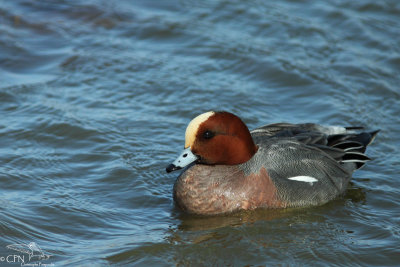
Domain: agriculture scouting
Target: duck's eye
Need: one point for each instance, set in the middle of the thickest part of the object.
(208, 134)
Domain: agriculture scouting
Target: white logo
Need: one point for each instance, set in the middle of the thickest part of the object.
(32, 255)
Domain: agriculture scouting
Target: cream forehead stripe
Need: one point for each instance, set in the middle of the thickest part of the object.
(193, 126)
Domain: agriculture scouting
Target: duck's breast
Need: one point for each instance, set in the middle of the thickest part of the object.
(204, 189)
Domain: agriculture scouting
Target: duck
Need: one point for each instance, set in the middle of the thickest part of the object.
(228, 168)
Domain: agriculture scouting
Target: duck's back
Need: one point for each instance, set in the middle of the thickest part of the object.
(309, 164)
(303, 175)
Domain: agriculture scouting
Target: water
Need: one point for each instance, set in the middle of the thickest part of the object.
(95, 97)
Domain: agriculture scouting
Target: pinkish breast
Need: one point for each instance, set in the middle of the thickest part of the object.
(207, 190)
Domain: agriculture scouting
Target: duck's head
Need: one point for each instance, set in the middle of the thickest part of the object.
(215, 138)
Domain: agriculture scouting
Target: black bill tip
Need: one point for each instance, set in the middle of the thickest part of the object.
(172, 167)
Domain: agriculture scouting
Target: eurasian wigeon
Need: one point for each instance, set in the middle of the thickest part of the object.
(229, 168)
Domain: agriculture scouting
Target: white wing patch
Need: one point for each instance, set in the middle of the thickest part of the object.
(336, 130)
(306, 179)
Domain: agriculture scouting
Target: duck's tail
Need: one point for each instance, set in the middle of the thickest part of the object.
(354, 146)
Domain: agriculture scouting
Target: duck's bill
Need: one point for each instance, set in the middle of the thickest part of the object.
(184, 159)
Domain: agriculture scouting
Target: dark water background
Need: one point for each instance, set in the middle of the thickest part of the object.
(95, 97)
